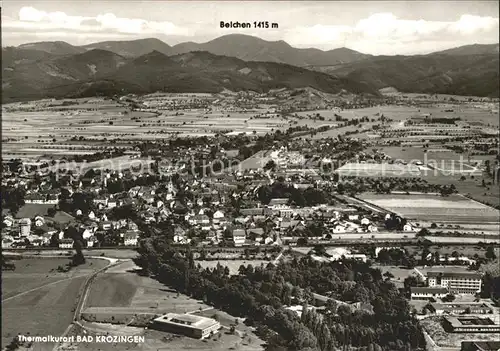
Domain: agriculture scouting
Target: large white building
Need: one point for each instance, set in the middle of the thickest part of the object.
(455, 282)
(187, 324)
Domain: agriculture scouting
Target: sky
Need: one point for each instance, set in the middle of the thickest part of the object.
(372, 27)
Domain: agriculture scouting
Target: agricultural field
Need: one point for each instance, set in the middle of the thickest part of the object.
(393, 112)
(37, 299)
(435, 208)
(434, 156)
(52, 131)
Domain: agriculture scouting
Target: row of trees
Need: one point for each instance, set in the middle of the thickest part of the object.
(297, 197)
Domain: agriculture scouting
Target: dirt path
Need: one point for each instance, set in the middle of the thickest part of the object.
(83, 296)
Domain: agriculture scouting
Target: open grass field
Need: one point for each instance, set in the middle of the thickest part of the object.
(399, 273)
(36, 300)
(32, 210)
(121, 287)
(427, 207)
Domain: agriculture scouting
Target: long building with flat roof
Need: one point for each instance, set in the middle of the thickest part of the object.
(187, 324)
(470, 324)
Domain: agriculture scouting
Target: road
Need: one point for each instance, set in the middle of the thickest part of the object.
(277, 259)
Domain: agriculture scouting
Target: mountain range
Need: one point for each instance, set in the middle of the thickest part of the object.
(238, 62)
(31, 75)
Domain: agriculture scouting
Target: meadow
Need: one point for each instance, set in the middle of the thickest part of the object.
(38, 300)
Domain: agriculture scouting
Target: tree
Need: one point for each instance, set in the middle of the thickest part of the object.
(410, 281)
(490, 253)
(270, 165)
(54, 240)
(423, 232)
(14, 344)
(388, 275)
(51, 212)
(302, 241)
(449, 298)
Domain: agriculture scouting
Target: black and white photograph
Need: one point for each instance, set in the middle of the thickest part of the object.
(250, 175)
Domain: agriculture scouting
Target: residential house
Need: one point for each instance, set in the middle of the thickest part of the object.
(106, 225)
(132, 226)
(365, 221)
(112, 203)
(87, 233)
(218, 214)
(101, 201)
(199, 219)
(130, 238)
(24, 227)
(66, 244)
(279, 204)
(239, 237)
(39, 221)
(407, 228)
(8, 221)
(91, 241)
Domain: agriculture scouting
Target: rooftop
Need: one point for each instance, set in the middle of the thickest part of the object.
(430, 290)
(187, 320)
(470, 321)
(470, 275)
